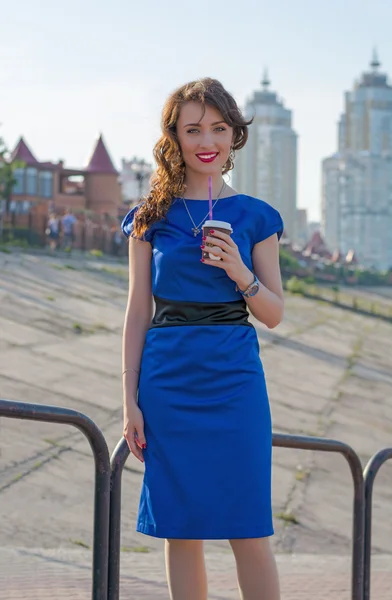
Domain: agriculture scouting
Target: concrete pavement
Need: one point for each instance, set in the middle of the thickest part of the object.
(38, 574)
(329, 372)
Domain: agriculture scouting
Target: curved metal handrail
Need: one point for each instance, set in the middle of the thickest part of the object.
(370, 472)
(117, 462)
(121, 454)
(54, 414)
(329, 445)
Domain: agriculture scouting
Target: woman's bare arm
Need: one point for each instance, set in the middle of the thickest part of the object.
(268, 304)
(138, 314)
(137, 321)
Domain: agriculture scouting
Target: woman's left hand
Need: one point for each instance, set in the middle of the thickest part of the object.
(231, 262)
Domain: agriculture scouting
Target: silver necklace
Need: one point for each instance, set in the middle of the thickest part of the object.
(196, 228)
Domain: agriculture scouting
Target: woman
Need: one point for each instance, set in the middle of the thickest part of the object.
(195, 402)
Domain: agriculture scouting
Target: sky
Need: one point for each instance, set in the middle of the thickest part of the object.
(73, 69)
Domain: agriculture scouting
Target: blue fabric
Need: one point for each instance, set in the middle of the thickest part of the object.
(177, 272)
(202, 389)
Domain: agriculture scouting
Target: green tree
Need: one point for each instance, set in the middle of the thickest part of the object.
(287, 260)
(7, 179)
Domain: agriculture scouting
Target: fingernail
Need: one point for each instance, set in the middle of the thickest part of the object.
(212, 231)
(144, 446)
(202, 260)
(202, 247)
(204, 238)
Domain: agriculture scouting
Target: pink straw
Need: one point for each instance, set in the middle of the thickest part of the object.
(210, 194)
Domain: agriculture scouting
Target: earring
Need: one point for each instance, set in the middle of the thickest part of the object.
(232, 155)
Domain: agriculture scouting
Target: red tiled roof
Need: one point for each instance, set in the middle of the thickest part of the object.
(100, 161)
(22, 152)
(316, 245)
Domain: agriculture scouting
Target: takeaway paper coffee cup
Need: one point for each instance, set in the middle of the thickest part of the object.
(215, 226)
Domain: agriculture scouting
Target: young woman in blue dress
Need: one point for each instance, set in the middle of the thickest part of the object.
(196, 409)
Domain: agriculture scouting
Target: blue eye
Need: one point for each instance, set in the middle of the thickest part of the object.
(219, 129)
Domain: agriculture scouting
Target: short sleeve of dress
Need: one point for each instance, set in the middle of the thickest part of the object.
(127, 226)
(268, 222)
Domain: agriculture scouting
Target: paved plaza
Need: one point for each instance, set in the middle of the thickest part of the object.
(38, 574)
(329, 373)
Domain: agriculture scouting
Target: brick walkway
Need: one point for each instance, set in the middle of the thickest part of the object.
(41, 574)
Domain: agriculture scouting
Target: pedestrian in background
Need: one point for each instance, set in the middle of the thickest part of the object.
(68, 223)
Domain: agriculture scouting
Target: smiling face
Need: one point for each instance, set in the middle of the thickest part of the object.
(205, 140)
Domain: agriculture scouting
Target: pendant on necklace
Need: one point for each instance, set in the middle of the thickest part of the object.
(196, 231)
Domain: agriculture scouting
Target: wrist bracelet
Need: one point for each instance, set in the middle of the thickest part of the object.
(134, 370)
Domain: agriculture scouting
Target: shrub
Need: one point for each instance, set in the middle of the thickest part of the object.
(287, 261)
(295, 286)
(97, 253)
(21, 236)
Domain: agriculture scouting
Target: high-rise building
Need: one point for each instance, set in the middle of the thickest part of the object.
(301, 227)
(357, 179)
(267, 166)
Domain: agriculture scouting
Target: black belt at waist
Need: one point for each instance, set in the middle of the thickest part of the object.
(171, 313)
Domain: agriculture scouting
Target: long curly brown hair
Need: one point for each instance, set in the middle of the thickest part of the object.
(168, 180)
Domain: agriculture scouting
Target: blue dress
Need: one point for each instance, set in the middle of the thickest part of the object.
(202, 388)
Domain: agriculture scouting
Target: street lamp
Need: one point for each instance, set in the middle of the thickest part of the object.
(142, 171)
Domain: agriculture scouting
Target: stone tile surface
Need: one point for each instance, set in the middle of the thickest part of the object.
(329, 373)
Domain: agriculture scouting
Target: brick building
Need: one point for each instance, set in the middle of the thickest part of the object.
(43, 186)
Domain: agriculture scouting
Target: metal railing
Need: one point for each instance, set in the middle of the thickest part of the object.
(54, 414)
(117, 462)
(107, 498)
(358, 535)
(370, 472)
(121, 454)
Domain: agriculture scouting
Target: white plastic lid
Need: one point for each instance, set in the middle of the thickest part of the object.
(222, 224)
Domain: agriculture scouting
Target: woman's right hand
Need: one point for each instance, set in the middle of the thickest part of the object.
(134, 429)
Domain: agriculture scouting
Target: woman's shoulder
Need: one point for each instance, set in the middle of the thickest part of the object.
(127, 224)
(258, 205)
(266, 218)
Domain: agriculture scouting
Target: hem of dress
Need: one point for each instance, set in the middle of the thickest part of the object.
(170, 533)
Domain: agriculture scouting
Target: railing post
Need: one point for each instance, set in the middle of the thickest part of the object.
(117, 463)
(327, 445)
(370, 472)
(120, 456)
(54, 414)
